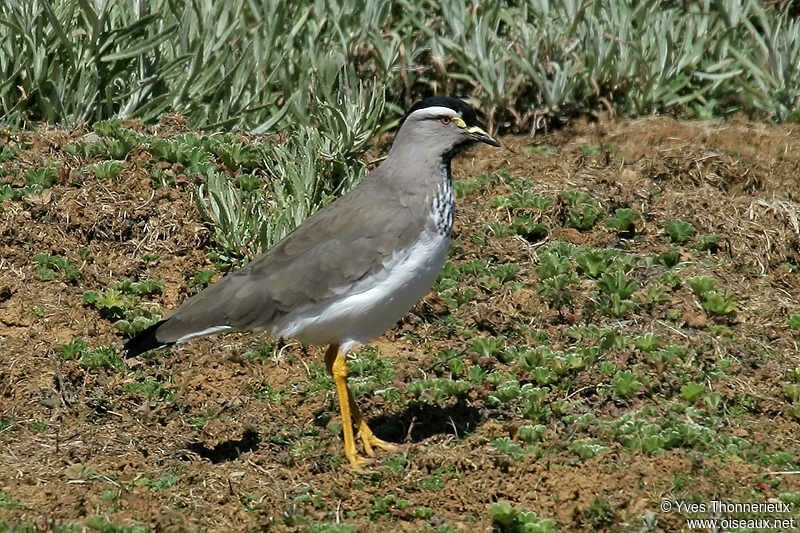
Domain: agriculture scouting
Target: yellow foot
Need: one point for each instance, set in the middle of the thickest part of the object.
(357, 462)
(370, 440)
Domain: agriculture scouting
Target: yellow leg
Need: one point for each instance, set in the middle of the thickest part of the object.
(365, 433)
(336, 364)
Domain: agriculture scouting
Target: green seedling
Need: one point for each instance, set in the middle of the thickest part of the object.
(146, 287)
(120, 303)
(679, 231)
(387, 505)
(105, 170)
(112, 304)
(587, 448)
(557, 274)
(166, 481)
(512, 449)
(701, 285)
(101, 357)
(8, 501)
(671, 280)
(369, 373)
(529, 201)
(707, 243)
(794, 322)
(488, 346)
(624, 220)
(583, 210)
(48, 267)
(438, 390)
(455, 297)
(538, 149)
(498, 229)
(601, 513)
(691, 392)
(719, 303)
(41, 178)
(625, 384)
(507, 519)
(583, 216)
(669, 259)
(504, 393)
(201, 278)
(136, 324)
(524, 226)
(152, 389)
(588, 149)
(531, 433)
(594, 262)
(475, 267)
(73, 349)
(465, 187)
(617, 284)
(647, 343)
(506, 272)
(236, 155)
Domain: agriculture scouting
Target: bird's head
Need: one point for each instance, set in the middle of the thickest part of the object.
(441, 126)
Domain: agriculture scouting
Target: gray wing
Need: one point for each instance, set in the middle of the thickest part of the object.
(329, 252)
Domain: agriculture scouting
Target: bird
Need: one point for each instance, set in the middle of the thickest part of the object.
(350, 271)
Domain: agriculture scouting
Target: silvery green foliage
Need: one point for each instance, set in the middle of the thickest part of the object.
(314, 165)
(261, 64)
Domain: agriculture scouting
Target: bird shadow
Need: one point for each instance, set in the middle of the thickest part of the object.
(421, 421)
(228, 450)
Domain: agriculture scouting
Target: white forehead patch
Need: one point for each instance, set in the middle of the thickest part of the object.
(433, 112)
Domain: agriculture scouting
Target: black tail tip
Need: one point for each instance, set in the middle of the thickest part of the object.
(145, 341)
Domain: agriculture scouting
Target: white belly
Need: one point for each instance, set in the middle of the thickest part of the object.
(374, 304)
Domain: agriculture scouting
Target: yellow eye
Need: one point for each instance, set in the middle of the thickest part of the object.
(444, 120)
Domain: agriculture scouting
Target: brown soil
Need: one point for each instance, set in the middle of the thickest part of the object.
(76, 443)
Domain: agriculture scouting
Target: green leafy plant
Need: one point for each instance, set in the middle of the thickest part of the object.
(669, 259)
(120, 303)
(531, 434)
(42, 178)
(73, 349)
(679, 231)
(583, 211)
(587, 448)
(48, 267)
(594, 262)
(625, 384)
(105, 170)
(691, 392)
(720, 303)
(624, 220)
(101, 357)
(709, 243)
(512, 449)
(507, 519)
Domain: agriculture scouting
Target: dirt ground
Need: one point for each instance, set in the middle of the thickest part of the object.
(233, 441)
